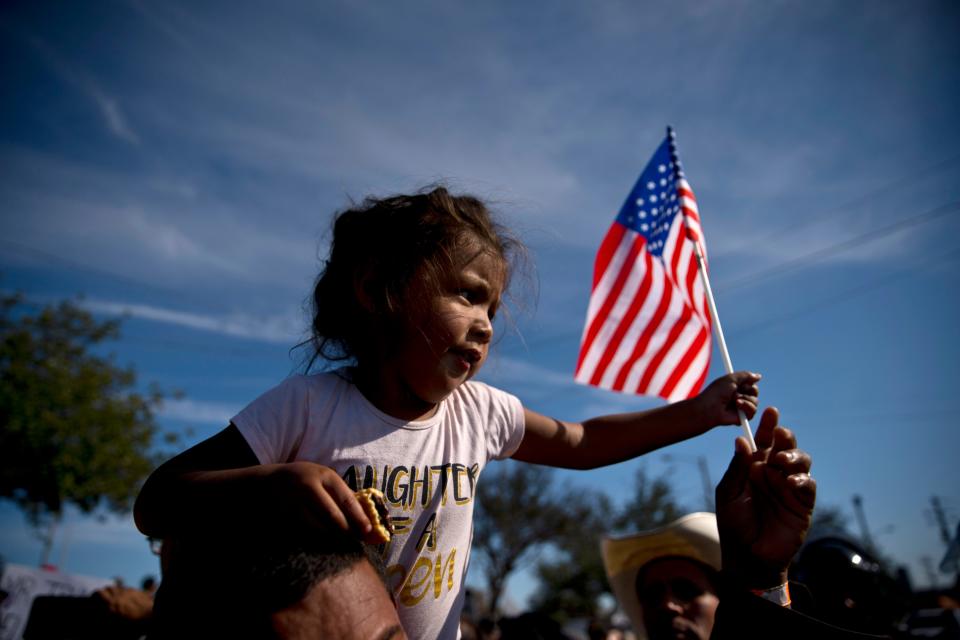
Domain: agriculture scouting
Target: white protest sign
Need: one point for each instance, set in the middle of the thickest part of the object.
(23, 584)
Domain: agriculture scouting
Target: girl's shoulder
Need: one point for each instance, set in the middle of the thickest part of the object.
(314, 384)
(496, 416)
(476, 392)
(343, 375)
(478, 387)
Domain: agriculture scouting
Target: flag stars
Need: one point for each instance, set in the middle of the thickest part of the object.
(657, 201)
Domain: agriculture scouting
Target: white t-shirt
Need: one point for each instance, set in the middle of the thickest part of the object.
(427, 471)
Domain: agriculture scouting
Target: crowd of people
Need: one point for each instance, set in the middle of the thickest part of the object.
(263, 534)
(745, 572)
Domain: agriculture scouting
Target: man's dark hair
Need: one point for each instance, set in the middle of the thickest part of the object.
(230, 588)
(285, 570)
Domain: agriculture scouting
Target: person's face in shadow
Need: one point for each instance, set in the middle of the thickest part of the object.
(352, 605)
(679, 599)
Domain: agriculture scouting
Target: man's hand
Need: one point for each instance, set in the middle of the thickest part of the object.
(132, 604)
(764, 506)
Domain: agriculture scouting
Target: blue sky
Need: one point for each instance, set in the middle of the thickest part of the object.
(180, 162)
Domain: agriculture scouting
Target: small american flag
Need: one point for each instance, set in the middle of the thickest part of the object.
(648, 325)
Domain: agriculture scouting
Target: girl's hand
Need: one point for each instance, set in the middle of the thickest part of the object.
(719, 402)
(318, 497)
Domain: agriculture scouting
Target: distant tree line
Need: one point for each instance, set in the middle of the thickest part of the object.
(76, 430)
(523, 519)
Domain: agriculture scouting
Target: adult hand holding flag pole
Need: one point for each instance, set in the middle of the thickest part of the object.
(650, 316)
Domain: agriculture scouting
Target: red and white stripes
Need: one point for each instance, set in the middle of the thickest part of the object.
(648, 327)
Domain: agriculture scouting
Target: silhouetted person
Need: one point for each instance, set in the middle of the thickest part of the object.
(290, 584)
(678, 582)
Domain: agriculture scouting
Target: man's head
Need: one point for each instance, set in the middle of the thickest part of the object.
(280, 584)
(850, 586)
(666, 579)
(351, 603)
(678, 598)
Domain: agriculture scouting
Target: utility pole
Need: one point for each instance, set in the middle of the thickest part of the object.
(931, 574)
(704, 476)
(46, 536)
(941, 520)
(862, 519)
(707, 485)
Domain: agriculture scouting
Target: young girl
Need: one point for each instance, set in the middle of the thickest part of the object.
(407, 297)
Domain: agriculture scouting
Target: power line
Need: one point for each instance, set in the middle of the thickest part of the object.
(817, 255)
(839, 297)
(770, 272)
(808, 220)
(927, 171)
(806, 259)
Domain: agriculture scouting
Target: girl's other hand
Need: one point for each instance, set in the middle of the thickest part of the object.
(722, 398)
(317, 496)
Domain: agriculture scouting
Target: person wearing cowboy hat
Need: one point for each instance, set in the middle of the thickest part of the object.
(667, 579)
(725, 575)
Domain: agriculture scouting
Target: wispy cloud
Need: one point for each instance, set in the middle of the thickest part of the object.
(162, 228)
(196, 411)
(109, 108)
(480, 116)
(280, 329)
(113, 117)
(158, 16)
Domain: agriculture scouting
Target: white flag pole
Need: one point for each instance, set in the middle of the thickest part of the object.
(711, 304)
(720, 341)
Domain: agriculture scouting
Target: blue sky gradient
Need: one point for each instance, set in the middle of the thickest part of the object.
(180, 162)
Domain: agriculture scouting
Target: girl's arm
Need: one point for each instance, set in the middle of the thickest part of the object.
(219, 485)
(614, 438)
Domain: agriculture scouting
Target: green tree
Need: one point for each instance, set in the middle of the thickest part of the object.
(574, 583)
(516, 515)
(572, 579)
(72, 428)
(651, 505)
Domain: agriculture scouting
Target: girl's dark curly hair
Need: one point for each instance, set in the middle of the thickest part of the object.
(378, 249)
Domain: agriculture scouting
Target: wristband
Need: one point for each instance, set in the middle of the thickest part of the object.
(778, 595)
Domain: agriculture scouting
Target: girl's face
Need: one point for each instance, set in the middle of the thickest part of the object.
(445, 342)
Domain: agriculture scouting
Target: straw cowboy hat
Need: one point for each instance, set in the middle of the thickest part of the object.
(692, 536)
